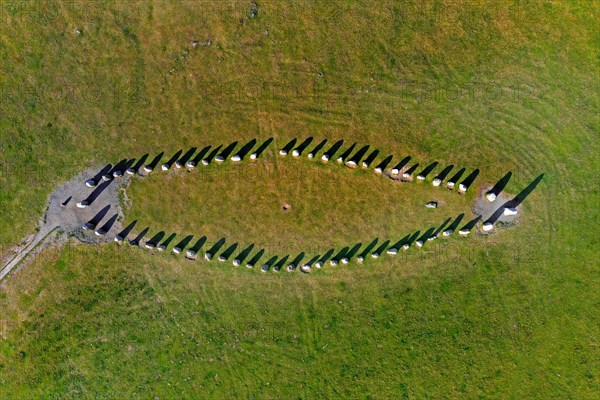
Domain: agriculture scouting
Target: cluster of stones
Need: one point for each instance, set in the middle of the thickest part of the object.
(306, 267)
(352, 161)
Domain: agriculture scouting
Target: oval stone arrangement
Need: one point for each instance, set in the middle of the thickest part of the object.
(403, 171)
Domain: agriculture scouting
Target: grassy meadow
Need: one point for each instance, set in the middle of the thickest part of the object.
(502, 86)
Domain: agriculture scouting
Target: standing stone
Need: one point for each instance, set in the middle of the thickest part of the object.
(333, 262)
(149, 245)
(106, 178)
(490, 196)
(419, 243)
(375, 254)
(208, 256)
(340, 160)
(488, 226)
(325, 157)
(405, 246)
(351, 164)
(365, 164)
(510, 211)
(165, 167)
(283, 152)
(190, 164)
(236, 262)
(447, 232)
(176, 250)
(178, 164)
(378, 170)
(344, 260)
(264, 268)
(393, 251)
(420, 177)
(130, 171)
(295, 153)
(236, 158)
(148, 168)
(219, 159)
(305, 268)
(436, 182)
(161, 247)
(100, 232)
(319, 264)
(431, 204)
(291, 267)
(406, 175)
(83, 204)
(249, 265)
(221, 258)
(395, 171)
(450, 185)
(205, 162)
(117, 174)
(90, 183)
(464, 232)
(118, 239)
(253, 156)
(360, 259)
(190, 254)
(462, 188)
(311, 155)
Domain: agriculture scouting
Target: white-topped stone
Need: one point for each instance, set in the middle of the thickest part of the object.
(83, 204)
(236, 262)
(205, 162)
(176, 250)
(236, 158)
(319, 264)
(325, 157)
(311, 155)
(340, 160)
(395, 171)
(351, 164)
(450, 185)
(106, 177)
(375, 255)
(221, 258)
(149, 245)
(378, 170)
(406, 175)
(510, 211)
(447, 232)
(462, 188)
(190, 164)
(219, 158)
(147, 168)
(365, 164)
(208, 256)
(291, 267)
(305, 268)
(419, 243)
(344, 260)
(190, 254)
(333, 262)
(130, 171)
(488, 226)
(405, 246)
(117, 174)
(118, 239)
(90, 183)
(249, 265)
(464, 232)
(253, 156)
(420, 177)
(295, 153)
(360, 259)
(100, 232)
(88, 226)
(264, 268)
(490, 196)
(161, 247)
(283, 152)
(436, 182)
(393, 251)
(165, 167)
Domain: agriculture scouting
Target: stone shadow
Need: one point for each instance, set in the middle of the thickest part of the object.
(347, 153)
(226, 152)
(255, 258)
(198, 157)
(370, 158)
(214, 249)
(383, 165)
(329, 154)
(243, 152)
(172, 160)
(468, 181)
(186, 157)
(298, 150)
(318, 148)
(152, 165)
(261, 149)
(423, 174)
(136, 241)
(179, 247)
(288, 147)
(211, 156)
(103, 230)
(125, 232)
(226, 255)
(401, 165)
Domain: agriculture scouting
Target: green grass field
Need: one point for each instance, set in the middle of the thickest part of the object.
(502, 86)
